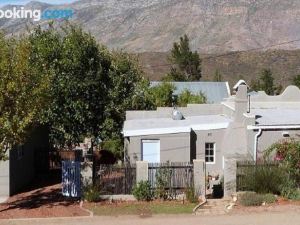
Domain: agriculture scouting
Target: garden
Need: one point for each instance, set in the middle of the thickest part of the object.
(168, 190)
(274, 178)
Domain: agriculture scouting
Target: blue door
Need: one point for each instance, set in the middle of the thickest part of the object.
(71, 179)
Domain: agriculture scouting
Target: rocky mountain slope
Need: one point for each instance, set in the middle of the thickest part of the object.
(149, 27)
(213, 26)
(284, 64)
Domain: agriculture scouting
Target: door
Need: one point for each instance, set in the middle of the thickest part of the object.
(71, 179)
(151, 151)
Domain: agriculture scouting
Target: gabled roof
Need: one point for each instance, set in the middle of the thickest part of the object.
(215, 92)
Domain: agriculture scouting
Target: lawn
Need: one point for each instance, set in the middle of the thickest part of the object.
(140, 208)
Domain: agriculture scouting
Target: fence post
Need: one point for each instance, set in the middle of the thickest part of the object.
(141, 171)
(199, 177)
(230, 168)
(86, 173)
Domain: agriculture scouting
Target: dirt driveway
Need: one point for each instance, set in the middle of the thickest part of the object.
(42, 199)
(281, 218)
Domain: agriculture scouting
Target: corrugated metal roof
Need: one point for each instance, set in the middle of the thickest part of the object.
(215, 92)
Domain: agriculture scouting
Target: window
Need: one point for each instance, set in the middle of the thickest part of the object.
(210, 153)
(151, 151)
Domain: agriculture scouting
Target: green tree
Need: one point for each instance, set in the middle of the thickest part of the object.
(79, 71)
(186, 97)
(296, 81)
(187, 64)
(162, 94)
(127, 90)
(91, 87)
(255, 85)
(267, 82)
(23, 92)
(218, 76)
(174, 75)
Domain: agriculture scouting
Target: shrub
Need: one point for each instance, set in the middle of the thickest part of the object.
(295, 194)
(264, 179)
(162, 176)
(251, 199)
(91, 193)
(142, 191)
(187, 97)
(269, 198)
(287, 153)
(288, 187)
(191, 195)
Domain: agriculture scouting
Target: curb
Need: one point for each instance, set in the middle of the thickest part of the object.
(199, 205)
(86, 210)
(45, 218)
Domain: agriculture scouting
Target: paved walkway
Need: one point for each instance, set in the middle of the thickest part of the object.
(213, 206)
(287, 218)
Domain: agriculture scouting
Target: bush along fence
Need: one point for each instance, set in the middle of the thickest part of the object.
(168, 180)
(259, 177)
(266, 177)
(165, 180)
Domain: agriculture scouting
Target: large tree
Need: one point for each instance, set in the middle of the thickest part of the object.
(162, 95)
(23, 93)
(79, 70)
(266, 83)
(127, 90)
(91, 87)
(186, 63)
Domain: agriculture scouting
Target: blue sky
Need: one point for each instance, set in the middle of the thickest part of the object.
(21, 2)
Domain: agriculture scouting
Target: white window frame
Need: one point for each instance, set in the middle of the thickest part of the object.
(214, 155)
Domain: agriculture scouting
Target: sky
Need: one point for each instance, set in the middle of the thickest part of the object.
(22, 2)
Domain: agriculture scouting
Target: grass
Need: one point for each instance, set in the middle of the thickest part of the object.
(141, 208)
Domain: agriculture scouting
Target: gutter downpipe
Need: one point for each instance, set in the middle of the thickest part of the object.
(255, 143)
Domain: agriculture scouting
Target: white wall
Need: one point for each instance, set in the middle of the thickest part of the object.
(4, 179)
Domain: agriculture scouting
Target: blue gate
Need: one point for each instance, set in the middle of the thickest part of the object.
(71, 179)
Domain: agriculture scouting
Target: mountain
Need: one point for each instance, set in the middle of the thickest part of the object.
(148, 28)
(284, 64)
(214, 26)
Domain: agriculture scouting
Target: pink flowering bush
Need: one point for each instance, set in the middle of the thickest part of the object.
(287, 154)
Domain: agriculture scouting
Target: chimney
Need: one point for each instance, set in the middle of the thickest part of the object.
(241, 103)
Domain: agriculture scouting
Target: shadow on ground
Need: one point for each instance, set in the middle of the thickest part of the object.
(45, 191)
